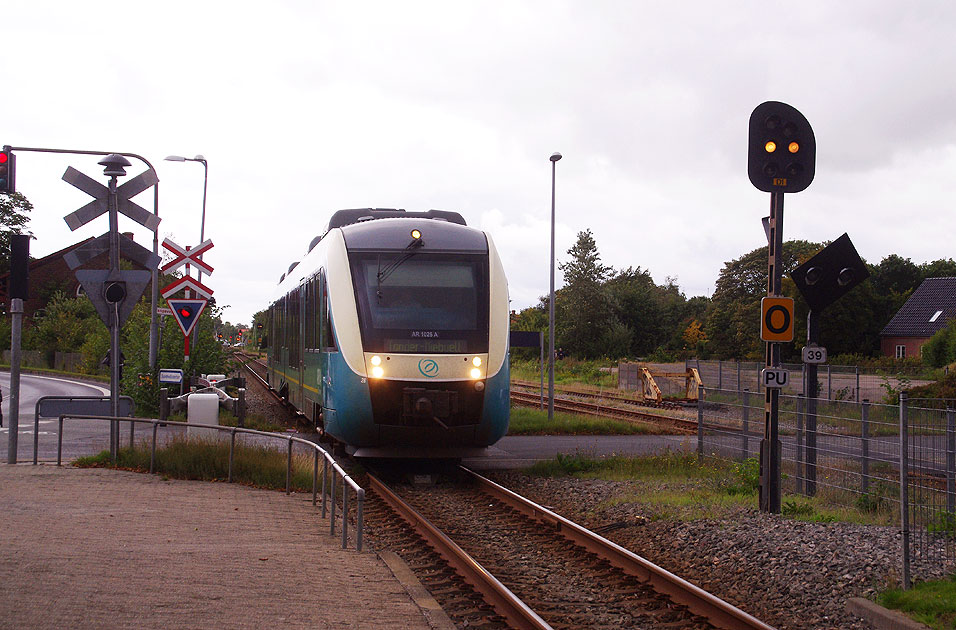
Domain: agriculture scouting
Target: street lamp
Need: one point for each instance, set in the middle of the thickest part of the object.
(202, 225)
(205, 165)
(554, 160)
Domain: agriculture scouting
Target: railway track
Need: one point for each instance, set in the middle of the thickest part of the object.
(679, 425)
(536, 569)
(602, 395)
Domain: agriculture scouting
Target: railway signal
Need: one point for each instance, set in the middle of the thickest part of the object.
(187, 313)
(782, 150)
(781, 154)
(8, 171)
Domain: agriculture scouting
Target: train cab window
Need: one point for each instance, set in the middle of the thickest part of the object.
(325, 316)
(431, 303)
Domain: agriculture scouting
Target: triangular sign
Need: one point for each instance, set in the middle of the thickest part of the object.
(94, 283)
(187, 313)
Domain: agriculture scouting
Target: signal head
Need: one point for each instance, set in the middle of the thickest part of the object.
(773, 126)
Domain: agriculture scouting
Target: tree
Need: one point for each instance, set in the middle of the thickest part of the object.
(586, 324)
(733, 319)
(13, 219)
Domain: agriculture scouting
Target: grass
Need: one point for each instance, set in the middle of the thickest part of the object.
(207, 460)
(932, 603)
(530, 421)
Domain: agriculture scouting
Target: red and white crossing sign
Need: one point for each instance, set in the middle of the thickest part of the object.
(187, 256)
(186, 283)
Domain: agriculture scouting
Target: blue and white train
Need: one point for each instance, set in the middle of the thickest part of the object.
(391, 334)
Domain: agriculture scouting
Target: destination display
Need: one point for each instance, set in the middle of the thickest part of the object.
(423, 345)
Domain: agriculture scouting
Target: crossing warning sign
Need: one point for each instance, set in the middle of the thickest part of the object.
(776, 319)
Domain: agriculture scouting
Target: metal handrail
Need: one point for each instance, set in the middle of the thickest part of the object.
(328, 461)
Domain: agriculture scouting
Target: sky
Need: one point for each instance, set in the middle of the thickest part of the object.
(305, 107)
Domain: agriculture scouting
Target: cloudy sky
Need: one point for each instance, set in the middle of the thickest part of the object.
(304, 107)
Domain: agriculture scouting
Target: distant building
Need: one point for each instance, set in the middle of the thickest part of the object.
(50, 274)
(925, 313)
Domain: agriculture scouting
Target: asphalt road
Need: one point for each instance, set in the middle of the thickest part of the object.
(84, 437)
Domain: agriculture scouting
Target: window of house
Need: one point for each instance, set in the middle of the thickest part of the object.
(900, 352)
(935, 316)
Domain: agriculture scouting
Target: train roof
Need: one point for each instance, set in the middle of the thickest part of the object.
(359, 215)
(395, 234)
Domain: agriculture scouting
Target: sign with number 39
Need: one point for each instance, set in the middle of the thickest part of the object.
(814, 354)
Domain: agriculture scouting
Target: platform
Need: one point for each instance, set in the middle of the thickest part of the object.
(93, 548)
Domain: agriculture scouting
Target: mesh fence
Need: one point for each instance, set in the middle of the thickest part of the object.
(834, 382)
(853, 453)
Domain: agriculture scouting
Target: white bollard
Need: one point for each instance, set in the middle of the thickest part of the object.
(202, 409)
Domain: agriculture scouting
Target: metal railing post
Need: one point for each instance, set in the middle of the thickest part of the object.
(857, 368)
(59, 442)
(829, 384)
(738, 376)
(325, 474)
(904, 491)
(315, 478)
(332, 513)
(700, 423)
(232, 450)
(720, 374)
(288, 470)
(152, 452)
(865, 445)
(345, 514)
(359, 518)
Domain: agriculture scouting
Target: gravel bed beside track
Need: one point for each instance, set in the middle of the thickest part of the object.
(790, 574)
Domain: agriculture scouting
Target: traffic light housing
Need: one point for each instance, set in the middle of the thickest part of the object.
(830, 274)
(782, 149)
(8, 171)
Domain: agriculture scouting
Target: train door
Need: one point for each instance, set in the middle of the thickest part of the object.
(300, 344)
(326, 344)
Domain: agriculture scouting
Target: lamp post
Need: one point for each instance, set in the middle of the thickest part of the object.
(202, 224)
(554, 160)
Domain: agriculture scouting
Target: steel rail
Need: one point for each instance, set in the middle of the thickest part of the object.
(592, 393)
(697, 600)
(574, 406)
(506, 603)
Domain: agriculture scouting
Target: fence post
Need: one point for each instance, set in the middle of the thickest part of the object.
(288, 470)
(345, 514)
(865, 445)
(904, 491)
(829, 383)
(241, 411)
(700, 424)
(744, 438)
(738, 375)
(163, 404)
(857, 368)
(720, 374)
(152, 452)
(315, 478)
(800, 471)
(950, 460)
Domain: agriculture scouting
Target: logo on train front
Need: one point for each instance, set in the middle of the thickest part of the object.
(428, 367)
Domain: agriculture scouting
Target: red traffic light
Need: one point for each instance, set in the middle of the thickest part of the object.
(3, 158)
(185, 312)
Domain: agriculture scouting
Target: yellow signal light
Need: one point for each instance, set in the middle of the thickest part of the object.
(794, 147)
(771, 146)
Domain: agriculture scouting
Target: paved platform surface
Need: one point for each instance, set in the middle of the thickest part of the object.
(89, 548)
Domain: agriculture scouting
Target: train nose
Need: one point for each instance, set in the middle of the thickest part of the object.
(423, 407)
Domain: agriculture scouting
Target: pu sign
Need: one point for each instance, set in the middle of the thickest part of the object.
(776, 319)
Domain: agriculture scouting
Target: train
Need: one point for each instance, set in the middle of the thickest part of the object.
(392, 335)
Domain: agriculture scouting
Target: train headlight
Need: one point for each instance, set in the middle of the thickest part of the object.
(476, 361)
(376, 360)
(416, 234)
(378, 372)
(475, 373)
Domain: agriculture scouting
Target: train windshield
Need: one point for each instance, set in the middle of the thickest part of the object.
(422, 303)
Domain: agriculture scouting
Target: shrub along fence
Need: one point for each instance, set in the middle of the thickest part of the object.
(898, 459)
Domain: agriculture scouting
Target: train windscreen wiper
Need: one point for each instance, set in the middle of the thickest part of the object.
(383, 274)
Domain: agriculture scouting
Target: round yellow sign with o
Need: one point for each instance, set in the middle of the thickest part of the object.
(776, 319)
